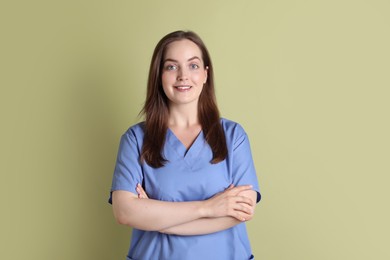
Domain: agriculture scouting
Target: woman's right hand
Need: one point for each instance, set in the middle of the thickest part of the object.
(230, 203)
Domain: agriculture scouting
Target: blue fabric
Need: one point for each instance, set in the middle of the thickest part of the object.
(187, 176)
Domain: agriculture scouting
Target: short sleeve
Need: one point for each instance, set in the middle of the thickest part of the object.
(244, 172)
(128, 170)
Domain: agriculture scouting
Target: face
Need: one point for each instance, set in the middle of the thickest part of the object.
(184, 73)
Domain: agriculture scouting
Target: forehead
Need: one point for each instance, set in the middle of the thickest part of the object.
(182, 50)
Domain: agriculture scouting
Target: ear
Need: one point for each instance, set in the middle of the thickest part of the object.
(207, 73)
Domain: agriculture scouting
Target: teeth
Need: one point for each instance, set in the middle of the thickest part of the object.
(183, 87)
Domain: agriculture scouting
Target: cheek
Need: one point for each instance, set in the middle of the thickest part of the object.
(203, 77)
(166, 79)
(199, 77)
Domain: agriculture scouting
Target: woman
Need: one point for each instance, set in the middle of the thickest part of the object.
(184, 178)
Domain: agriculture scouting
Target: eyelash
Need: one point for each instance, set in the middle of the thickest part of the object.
(192, 66)
(171, 67)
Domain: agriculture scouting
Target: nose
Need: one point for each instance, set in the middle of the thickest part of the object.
(182, 74)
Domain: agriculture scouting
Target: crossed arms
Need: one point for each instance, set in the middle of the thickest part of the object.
(222, 211)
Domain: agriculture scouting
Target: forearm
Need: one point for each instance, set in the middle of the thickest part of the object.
(210, 225)
(202, 226)
(153, 215)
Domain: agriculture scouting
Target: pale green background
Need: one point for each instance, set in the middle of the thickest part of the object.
(308, 80)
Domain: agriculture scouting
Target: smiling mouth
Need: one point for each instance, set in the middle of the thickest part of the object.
(182, 88)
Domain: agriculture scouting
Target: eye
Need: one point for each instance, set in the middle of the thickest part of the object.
(194, 66)
(171, 67)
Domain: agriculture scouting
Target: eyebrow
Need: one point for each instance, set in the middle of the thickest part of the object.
(190, 59)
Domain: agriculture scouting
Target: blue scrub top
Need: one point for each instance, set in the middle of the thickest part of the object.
(187, 176)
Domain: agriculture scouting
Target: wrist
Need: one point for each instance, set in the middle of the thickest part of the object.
(202, 209)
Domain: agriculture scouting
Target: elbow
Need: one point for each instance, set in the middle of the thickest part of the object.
(126, 219)
(122, 211)
(121, 219)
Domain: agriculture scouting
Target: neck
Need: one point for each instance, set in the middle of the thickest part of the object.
(183, 116)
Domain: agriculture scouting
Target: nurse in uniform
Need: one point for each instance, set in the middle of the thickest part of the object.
(184, 179)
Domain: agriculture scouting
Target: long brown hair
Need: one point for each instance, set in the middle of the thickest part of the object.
(156, 106)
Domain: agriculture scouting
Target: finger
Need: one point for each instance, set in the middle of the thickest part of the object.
(243, 187)
(246, 200)
(141, 192)
(244, 208)
(231, 186)
(144, 195)
(238, 189)
(242, 216)
(245, 217)
(236, 214)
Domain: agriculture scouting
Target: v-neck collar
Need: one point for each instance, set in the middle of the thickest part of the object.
(187, 154)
